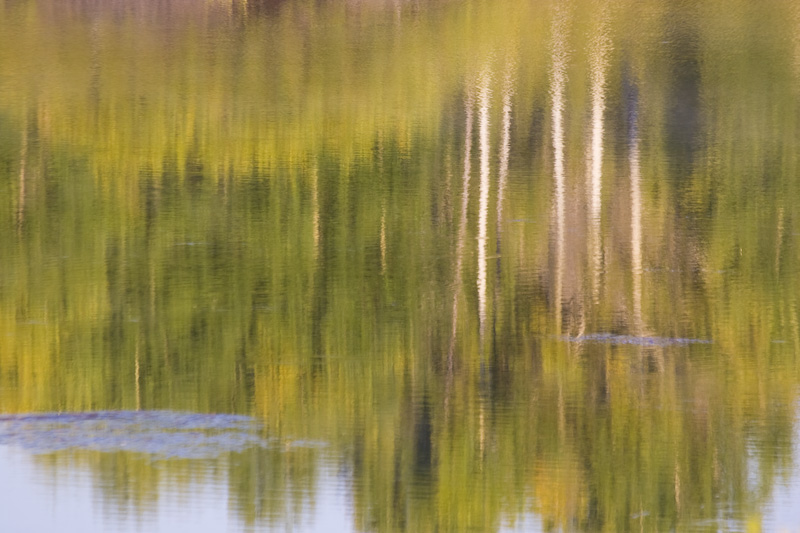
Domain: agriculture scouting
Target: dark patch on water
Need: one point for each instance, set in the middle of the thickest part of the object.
(610, 338)
(161, 433)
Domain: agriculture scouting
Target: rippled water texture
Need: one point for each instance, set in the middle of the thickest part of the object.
(399, 266)
(160, 433)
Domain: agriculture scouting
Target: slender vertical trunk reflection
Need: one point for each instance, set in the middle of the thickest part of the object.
(383, 239)
(779, 241)
(793, 320)
(152, 287)
(383, 206)
(136, 376)
(636, 216)
(482, 431)
(23, 158)
(315, 211)
(462, 226)
(319, 279)
(483, 206)
(598, 62)
(483, 222)
(505, 149)
(557, 82)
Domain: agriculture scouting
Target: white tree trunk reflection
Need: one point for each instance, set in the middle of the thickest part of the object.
(636, 230)
(598, 63)
(462, 225)
(484, 97)
(558, 78)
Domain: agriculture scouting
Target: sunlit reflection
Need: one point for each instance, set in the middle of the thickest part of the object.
(505, 146)
(136, 378)
(558, 78)
(23, 158)
(636, 218)
(598, 60)
(462, 225)
(484, 95)
(199, 220)
(502, 181)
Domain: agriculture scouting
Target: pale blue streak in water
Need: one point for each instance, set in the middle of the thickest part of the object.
(610, 338)
(160, 433)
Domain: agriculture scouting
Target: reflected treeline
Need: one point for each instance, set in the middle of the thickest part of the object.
(380, 226)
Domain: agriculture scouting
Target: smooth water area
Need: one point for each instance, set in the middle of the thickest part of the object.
(484, 265)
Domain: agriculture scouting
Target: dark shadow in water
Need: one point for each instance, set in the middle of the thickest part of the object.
(684, 112)
(269, 8)
(423, 443)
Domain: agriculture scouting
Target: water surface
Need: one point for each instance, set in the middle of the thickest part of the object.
(388, 266)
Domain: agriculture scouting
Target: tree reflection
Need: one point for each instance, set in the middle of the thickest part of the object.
(251, 210)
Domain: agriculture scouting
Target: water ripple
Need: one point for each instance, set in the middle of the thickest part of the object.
(162, 433)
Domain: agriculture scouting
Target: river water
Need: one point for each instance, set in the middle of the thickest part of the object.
(484, 265)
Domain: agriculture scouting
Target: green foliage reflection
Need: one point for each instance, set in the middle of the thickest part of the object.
(230, 210)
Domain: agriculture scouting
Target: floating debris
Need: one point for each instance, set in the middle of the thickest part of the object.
(610, 338)
(161, 433)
